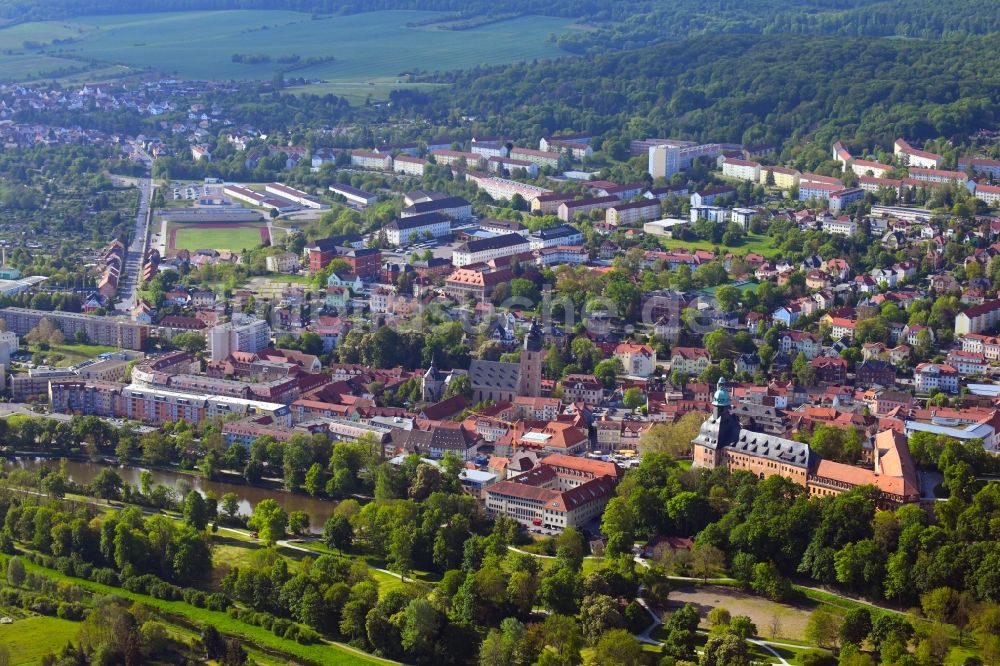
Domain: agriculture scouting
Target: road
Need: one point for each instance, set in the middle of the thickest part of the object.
(134, 252)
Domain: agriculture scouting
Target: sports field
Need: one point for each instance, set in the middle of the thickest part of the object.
(234, 237)
(375, 48)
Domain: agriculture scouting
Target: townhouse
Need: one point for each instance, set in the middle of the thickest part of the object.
(638, 360)
(691, 361)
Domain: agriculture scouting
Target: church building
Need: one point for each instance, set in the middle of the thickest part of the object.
(499, 381)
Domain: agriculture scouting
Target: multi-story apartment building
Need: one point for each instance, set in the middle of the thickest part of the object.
(978, 318)
(458, 157)
(910, 156)
(414, 228)
(456, 208)
(638, 360)
(935, 376)
(364, 159)
(563, 234)
(990, 168)
(582, 388)
(511, 166)
(636, 212)
(411, 166)
(98, 330)
(242, 335)
(568, 210)
(741, 169)
(542, 158)
(485, 249)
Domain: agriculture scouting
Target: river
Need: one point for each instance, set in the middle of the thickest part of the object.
(85, 472)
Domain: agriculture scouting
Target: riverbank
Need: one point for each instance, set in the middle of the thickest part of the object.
(83, 470)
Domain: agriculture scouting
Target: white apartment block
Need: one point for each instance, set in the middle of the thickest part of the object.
(245, 335)
(741, 169)
(364, 159)
(410, 229)
(910, 156)
(485, 249)
(411, 166)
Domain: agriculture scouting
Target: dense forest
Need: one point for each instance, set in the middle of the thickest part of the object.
(742, 89)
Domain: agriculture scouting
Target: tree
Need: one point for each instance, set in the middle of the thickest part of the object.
(769, 582)
(459, 385)
(230, 505)
(672, 438)
(298, 522)
(107, 485)
(856, 625)
(338, 533)
(598, 614)
(617, 647)
(189, 341)
(15, 572)
(681, 633)
(618, 523)
(315, 479)
(719, 617)
(706, 560)
(727, 649)
(633, 398)
(195, 511)
(823, 629)
(269, 520)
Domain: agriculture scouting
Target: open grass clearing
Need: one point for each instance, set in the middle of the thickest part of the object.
(751, 243)
(792, 618)
(65, 355)
(31, 638)
(322, 653)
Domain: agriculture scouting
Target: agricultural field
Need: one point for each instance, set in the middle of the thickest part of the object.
(234, 237)
(357, 55)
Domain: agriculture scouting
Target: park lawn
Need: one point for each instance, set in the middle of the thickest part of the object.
(751, 243)
(236, 239)
(320, 653)
(349, 50)
(74, 354)
(32, 638)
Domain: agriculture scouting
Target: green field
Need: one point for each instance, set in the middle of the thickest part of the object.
(65, 355)
(373, 48)
(32, 638)
(752, 243)
(235, 239)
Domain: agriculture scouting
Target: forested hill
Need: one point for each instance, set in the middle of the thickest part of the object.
(622, 24)
(740, 88)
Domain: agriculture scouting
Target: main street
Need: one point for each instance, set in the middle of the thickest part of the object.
(140, 233)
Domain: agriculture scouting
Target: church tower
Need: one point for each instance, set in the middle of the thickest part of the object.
(432, 384)
(717, 432)
(532, 357)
